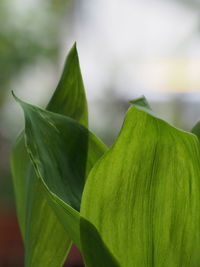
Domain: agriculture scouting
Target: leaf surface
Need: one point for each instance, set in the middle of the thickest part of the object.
(46, 241)
(94, 250)
(62, 152)
(143, 195)
(69, 97)
(20, 167)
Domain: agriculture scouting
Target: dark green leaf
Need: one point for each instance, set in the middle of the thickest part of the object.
(94, 250)
(45, 239)
(69, 98)
(62, 152)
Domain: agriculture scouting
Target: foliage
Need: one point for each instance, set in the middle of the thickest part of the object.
(135, 204)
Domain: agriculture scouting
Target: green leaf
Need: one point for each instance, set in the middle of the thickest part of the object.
(62, 152)
(42, 237)
(142, 104)
(46, 241)
(69, 98)
(143, 195)
(20, 167)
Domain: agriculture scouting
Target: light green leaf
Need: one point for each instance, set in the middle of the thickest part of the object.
(62, 152)
(143, 196)
(142, 104)
(46, 241)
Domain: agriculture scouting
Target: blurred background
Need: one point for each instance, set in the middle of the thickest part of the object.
(126, 48)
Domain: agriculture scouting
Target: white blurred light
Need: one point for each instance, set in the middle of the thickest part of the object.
(136, 44)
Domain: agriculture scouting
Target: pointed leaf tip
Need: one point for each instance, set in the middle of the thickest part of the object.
(74, 45)
(73, 49)
(18, 100)
(15, 97)
(23, 104)
(142, 104)
(69, 98)
(141, 101)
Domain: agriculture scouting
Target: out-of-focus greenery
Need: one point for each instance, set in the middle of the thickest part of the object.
(26, 37)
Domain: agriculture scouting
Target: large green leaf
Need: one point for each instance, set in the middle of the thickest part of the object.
(143, 196)
(62, 152)
(46, 241)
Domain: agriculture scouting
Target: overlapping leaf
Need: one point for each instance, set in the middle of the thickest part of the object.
(141, 202)
(33, 211)
(96, 253)
(143, 196)
(196, 130)
(46, 241)
(62, 152)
